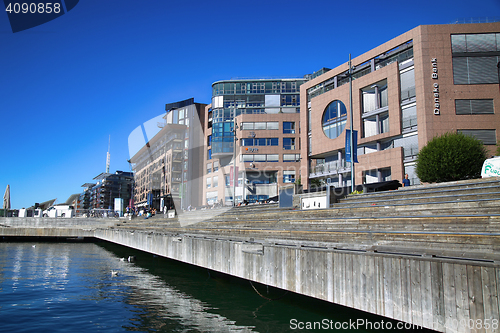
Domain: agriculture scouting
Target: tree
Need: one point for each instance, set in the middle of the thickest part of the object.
(449, 157)
(498, 149)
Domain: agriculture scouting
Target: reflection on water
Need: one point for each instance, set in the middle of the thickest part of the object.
(69, 287)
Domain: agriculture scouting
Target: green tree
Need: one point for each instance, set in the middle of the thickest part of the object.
(498, 149)
(449, 157)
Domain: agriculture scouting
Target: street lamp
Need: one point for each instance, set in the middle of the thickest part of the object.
(235, 178)
(352, 125)
(498, 68)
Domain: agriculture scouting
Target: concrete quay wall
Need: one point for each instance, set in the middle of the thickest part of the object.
(51, 227)
(443, 295)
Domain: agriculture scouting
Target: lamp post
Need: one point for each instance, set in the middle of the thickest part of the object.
(498, 68)
(235, 178)
(352, 127)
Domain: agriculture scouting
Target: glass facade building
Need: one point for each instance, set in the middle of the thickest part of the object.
(266, 115)
(235, 97)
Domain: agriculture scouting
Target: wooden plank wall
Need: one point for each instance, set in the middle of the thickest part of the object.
(447, 296)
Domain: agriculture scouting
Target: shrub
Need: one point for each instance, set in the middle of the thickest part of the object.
(449, 157)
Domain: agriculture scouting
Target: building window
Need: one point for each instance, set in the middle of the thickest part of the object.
(409, 116)
(209, 154)
(209, 182)
(407, 79)
(272, 158)
(215, 181)
(270, 125)
(376, 124)
(291, 157)
(259, 142)
(209, 140)
(288, 176)
(211, 198)
(288, 127)
(209, 167)
(473, 106)
(289, 143)
(334, 119)
(375, 96)
(376, 175)
(487, 136)
(259, 158)
(216, 166)
(475, 58)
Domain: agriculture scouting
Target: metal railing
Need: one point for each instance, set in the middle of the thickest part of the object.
(329, 168)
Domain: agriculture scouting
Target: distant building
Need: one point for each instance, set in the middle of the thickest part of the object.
(108, 186)
(428, 81)
(168, 168)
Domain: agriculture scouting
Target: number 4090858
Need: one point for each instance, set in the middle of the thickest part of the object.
(40, 8)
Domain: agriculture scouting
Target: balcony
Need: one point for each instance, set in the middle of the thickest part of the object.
(330, 168)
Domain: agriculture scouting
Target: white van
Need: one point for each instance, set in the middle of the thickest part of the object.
(59, 211)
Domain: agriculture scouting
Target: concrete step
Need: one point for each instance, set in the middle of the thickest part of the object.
(373, 210)
(487, 191)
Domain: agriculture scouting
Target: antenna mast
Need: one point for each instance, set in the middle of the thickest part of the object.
(108, 155)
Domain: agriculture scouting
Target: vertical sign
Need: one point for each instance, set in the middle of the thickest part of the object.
(348, 145)
(232, 176)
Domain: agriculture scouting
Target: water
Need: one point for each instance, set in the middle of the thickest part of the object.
(69, 287)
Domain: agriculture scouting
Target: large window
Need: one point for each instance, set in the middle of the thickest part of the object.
(289, 143)
(259, 142)
(474, 106)
(291, 157)
(259, 158)
(334, 119)
(407, 78)
(377, 175)
(376, 124)
(288, 176)
(288, 127)
(487, 136)
(270, 125)
(475, 58)
(409, 116)
(375, 96)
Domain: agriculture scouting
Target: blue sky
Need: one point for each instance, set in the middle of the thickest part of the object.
(107, 66)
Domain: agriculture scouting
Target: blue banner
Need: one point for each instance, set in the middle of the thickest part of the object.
(348, 145)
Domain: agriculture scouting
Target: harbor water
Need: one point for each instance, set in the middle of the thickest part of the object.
(93, 287)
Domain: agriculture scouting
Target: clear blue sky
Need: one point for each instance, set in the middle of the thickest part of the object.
(107, 66)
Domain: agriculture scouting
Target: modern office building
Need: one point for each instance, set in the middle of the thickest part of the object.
(267, 154)
(430, 80)
(169, 167)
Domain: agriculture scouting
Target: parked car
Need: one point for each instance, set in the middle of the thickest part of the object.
(59, 211)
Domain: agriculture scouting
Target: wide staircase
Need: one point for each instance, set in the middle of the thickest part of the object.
(456, 219)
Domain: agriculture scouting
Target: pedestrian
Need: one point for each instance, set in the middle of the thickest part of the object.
(406, 181)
